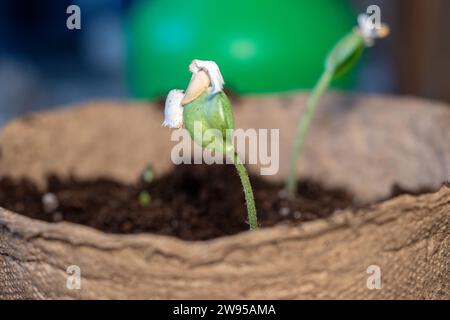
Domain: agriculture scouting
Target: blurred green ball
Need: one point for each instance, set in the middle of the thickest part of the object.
(260, 46)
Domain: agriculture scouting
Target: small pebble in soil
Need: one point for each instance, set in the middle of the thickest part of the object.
(284, 211)
(50, 202)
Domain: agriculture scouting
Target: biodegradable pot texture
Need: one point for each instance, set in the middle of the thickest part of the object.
(365, 144)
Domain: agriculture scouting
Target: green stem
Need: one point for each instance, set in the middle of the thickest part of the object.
(249, 200)
(302, 128)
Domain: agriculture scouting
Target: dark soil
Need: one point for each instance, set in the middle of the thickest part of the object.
(193, 202)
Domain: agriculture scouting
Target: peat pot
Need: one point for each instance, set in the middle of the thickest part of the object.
(368, 145)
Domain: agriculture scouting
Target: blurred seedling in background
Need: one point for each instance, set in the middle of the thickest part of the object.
(204, 110)
(147, 176)
(145, 198)
(341, 58)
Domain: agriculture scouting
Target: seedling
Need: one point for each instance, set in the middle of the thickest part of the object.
(148, 174)
(205, 111)
(145, 198)
(147, 177)
(341, 58)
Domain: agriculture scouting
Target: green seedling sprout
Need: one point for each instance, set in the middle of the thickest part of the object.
(341, 58)
(148, 174)
(205, 112)
(144, 198)
(147, 177)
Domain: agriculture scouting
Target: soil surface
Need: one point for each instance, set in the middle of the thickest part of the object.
(193, 202)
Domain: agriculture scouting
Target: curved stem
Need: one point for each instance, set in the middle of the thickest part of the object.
(302, 128)
(249, 199)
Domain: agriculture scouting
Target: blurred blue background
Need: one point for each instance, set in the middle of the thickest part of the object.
(44, 65)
